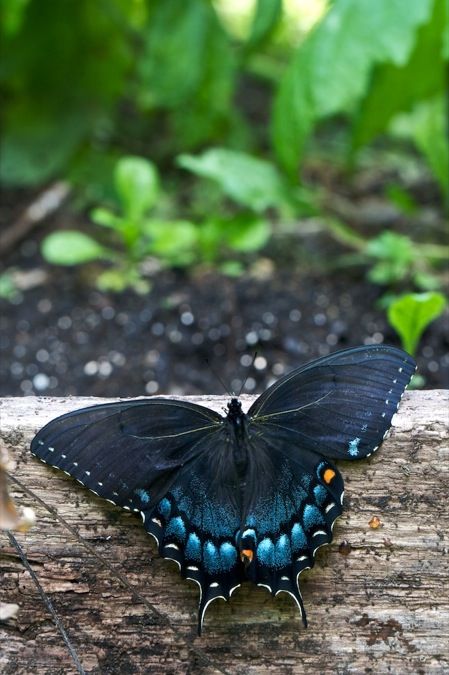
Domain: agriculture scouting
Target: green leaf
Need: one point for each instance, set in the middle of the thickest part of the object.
(412, 313)
(427, 126)
(332, 68)
(266, 17)
(174, 240)
(137, 184)
(247, 233)
(105, 218)
(395, 253)
(396, 88)
(249, 181)
(72, 248)
(188, 66)
(65, 70)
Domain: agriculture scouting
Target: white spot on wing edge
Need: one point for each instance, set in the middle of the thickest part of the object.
(166, 557)
(329, 507)
(318, 532)
(283, 590)
(234, 588)
(174, 546)
(266, 586)
(207, 605)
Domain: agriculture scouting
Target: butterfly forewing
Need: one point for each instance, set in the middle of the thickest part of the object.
(340, 405)
(127, 452)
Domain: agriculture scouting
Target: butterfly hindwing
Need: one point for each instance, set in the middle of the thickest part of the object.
(340, 405)
(196, 522)
(290, 513)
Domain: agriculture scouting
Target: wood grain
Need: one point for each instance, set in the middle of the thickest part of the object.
(378, 603)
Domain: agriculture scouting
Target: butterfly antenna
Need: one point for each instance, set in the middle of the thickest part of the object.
(247, 375)
(215, 373)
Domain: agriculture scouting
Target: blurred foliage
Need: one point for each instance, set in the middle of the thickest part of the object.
(367, 61)
(84, 82)
(139, 235)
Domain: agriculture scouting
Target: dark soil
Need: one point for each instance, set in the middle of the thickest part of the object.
(63, 337)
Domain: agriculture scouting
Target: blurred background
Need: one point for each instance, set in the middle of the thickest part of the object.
(196, 180)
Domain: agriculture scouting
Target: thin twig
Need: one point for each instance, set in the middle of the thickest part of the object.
(47, 602)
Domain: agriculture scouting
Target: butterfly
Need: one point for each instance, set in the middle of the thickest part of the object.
(244, 496)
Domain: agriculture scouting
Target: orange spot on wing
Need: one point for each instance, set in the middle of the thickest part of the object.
(246, 555)
(328, 476)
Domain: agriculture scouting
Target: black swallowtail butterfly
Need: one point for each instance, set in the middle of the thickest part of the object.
(248, 496)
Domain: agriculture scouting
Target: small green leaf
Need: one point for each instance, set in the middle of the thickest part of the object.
(137, 184)
(105, 218)
(71, 248)
(249, 181)
(8, 288)
(232, 268)
(412, 313)
(172, 239)
(395, 254)
(247, 233)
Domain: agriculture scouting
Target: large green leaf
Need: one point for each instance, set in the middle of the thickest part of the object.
(266, 16)
(188, 66)
(71, 248)
(249, 181)
(332, 68)
(395, 88)
(65, 69)
(427, 126)
(412, 313)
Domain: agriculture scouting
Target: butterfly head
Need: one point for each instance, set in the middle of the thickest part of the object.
(234, 408)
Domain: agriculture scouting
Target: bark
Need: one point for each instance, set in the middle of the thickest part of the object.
(377, 598)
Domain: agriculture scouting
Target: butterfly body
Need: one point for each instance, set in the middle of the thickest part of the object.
(248, 496)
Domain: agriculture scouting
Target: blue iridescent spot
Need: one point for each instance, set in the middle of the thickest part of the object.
(176, 528)
(299, 539)
(312, 516)
(283, 553)
(164, 508)
(143, 495)
(320, 493)
(265, 552)
(353, 447)
(228, 556)
(212, 561)
(193, 548)
(321, 466)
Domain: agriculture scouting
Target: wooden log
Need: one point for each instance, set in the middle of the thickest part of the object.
(377, 599)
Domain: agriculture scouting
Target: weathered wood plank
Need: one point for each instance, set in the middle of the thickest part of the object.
(382, 608)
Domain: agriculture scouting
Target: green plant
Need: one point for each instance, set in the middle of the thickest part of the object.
(139, 233)
(396, 258)
(410, 315)
(138, 236)
(252, 183)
